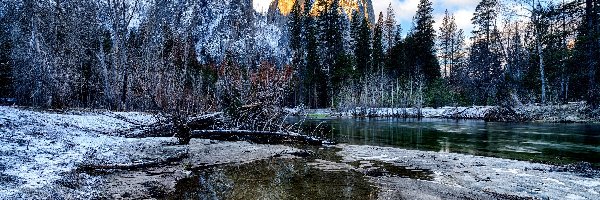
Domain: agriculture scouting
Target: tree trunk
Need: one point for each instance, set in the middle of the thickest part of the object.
(540, 52)
(543, 79)
(592, 45)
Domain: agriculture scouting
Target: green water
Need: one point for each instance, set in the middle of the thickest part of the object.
(273, 179)
(538, 142)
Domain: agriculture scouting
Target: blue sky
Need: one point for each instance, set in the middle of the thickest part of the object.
(405, 10)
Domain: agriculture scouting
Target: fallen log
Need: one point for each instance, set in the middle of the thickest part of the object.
(263, 137)
(132, 166)
(166, 128)
(208, 121)
(159, 129)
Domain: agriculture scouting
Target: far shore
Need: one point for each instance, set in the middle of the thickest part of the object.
(573, 112)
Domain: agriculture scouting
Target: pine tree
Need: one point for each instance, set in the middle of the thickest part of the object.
(396, 62)
(424, 42)
(389, 28)
(312, 60)
(362, 48)
(484, 60)
(378, 56)
(331, 40)
(591, 32)
(295, 25)
(457, 56)
(296, 31)
(446, 41)
(5, 48)
(515, 58)
(355, 29)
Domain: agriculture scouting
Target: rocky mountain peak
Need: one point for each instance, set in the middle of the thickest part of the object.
(365, 7)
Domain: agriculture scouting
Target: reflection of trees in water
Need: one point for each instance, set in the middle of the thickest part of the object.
(213, 185)
(274, 179)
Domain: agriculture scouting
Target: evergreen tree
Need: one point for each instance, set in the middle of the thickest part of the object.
(516, 58)
(296, 30)
(446, 42)
(6, 14)
(389, 28)
(457, 57)
(331, 40)
(591, 37)
(378, 56)
(295, 25)
(332, 36)
(396, 62)
(355, 29)
(312, 60)
(484, 61)
(342, 73)
(424, 42)
(362, 48)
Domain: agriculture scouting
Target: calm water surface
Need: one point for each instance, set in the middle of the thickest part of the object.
(539, 142)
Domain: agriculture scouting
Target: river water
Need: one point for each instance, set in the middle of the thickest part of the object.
(537, 142)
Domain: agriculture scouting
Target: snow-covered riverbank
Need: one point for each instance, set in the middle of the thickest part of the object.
(577, 112)
(36, 147)
(40, 152)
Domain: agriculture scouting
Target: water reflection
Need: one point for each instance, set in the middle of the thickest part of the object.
(542, 142)
(274, 179)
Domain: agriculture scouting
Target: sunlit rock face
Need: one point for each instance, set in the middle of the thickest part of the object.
(285, 6)
(364, 7)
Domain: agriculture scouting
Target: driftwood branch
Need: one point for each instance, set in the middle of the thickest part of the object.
(133, 166)
(258, 136)
(166, 128)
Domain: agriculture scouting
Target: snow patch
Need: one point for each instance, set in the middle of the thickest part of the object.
(36, 147)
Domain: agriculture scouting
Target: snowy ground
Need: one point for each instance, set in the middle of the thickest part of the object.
(36, 147)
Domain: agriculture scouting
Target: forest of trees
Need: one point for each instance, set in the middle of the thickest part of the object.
(547, 56)
(84, 53)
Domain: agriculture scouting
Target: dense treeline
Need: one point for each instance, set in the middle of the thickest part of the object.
(87, 54)
(119, 55)
(542, 53)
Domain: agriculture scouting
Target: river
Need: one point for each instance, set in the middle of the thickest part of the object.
(552, 143)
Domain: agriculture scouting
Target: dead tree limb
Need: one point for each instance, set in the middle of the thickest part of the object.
(133, 166)
(258, 136)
